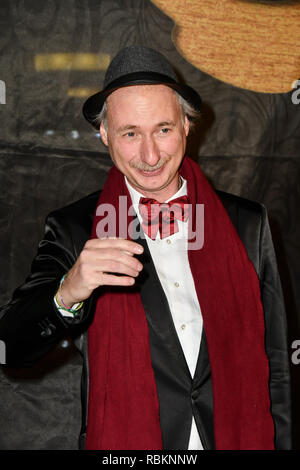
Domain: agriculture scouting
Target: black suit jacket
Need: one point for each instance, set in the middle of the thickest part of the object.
(30, 324)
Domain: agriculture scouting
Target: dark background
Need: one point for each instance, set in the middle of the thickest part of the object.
(247, 143)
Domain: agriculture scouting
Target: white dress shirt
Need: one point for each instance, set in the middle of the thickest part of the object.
(170, 259)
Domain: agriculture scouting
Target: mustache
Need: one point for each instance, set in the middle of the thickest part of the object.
(145, 167)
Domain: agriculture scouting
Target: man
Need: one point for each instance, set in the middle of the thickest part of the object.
(183, 343)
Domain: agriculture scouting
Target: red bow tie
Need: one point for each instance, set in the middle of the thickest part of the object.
(162, 216)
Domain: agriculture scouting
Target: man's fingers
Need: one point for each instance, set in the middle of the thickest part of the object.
(118, 267)
(98, 257)
(109, 261)
(119, 243)
(111, 280)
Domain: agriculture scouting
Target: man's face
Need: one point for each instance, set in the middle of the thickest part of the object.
(146, 137)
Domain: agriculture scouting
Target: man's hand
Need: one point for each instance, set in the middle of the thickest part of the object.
(98, 264)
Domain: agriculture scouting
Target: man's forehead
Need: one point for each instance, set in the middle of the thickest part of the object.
(142, 106)
(141, 91)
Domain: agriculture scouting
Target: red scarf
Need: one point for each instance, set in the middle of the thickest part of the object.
(123, 409)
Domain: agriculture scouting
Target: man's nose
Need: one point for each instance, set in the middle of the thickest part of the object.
(149, 150)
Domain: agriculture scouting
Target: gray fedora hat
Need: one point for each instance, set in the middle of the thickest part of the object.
(137, 65)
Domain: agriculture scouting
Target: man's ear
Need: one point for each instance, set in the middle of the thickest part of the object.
(103, 134)
(186, 125)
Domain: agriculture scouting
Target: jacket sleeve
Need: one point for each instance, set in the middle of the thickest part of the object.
(276, 338)
(30, 324)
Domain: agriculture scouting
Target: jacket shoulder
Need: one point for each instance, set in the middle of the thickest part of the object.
(71, 225)
(233, 202)
(78, 212)
(249, 219)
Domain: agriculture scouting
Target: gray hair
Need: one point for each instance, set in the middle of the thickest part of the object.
(186, 110)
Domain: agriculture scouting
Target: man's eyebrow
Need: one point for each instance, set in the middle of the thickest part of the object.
(128, 127)
(166, 123)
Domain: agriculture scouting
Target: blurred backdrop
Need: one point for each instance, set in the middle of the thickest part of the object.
(244, 59)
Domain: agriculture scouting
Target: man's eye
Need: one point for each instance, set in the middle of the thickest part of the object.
(129, 134)
(165, 130)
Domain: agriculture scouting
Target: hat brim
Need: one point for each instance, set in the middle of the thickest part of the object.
(94, 103)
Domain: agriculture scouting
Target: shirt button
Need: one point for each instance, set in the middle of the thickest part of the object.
(168, 241)
(176, 284)
(182, 327)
